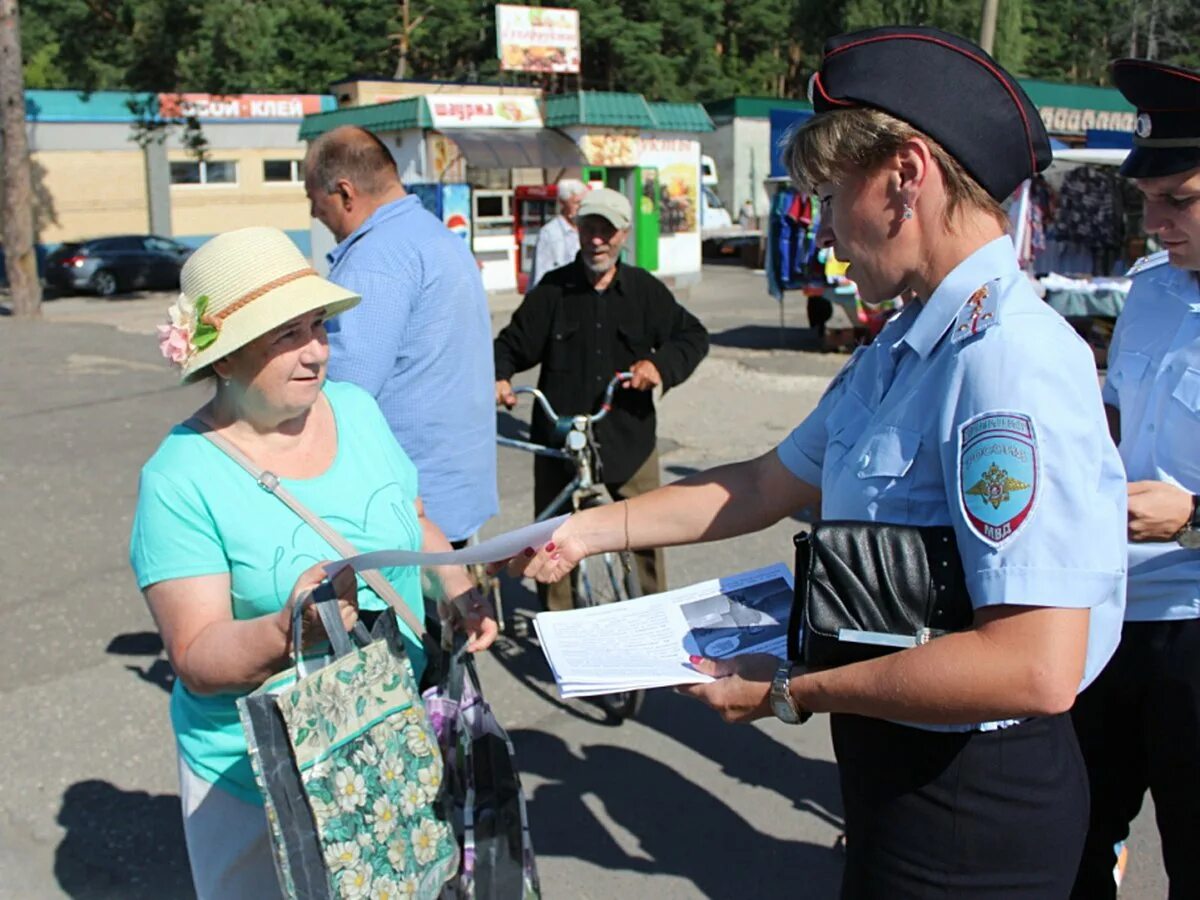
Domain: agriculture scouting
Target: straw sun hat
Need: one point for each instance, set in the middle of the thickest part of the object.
(237, 287)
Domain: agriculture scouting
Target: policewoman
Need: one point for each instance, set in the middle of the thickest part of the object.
(976, 407)
(1139, 724)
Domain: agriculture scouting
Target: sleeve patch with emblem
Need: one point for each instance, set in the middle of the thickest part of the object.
(999, 473)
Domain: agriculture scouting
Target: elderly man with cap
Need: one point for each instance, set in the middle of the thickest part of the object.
(558, 241)
(1139, 724)
(975, 418)
(582, 323)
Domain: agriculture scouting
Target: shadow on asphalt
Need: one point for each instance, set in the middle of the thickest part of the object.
(145, 643)
(517, 652)
(767, 337)
(681, 827)
(121, 844)
(684, 829)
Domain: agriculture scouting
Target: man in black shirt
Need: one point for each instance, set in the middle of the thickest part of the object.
(582, 323)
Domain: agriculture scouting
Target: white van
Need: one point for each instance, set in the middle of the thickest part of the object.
(708, 171)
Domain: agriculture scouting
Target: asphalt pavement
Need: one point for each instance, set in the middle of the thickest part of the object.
(673, 805)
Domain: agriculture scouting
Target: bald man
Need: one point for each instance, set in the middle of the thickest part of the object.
(420, 341)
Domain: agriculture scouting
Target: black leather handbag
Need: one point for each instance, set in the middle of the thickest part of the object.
(864, 589)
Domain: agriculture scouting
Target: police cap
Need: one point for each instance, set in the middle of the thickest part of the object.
(947, 88)
(1166, 139)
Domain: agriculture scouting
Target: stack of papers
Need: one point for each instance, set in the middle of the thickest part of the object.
(645, 643)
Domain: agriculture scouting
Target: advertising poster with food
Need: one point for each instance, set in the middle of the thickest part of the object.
(678, 165)
(608, 149)
(446, 162)
(537, 38)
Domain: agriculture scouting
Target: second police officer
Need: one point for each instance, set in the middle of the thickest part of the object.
(1139, 723)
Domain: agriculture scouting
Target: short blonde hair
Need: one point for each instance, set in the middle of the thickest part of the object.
(831, 145)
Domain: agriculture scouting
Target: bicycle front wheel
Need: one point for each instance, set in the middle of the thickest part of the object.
(610, 578)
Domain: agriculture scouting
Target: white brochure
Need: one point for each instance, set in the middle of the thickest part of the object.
(645, 643)
(500, 547)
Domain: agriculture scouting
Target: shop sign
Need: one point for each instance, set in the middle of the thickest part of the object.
(484, 111)
(1064, 120)
(537, 38)
(238, 106)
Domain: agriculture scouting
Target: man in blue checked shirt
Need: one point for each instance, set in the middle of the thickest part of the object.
(420, 341)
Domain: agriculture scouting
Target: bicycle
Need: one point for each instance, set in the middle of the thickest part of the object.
(608, 577)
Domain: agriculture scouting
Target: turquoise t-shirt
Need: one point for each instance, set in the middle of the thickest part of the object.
(200, 513)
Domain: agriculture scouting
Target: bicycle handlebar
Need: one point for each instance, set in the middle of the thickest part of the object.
(595, 417)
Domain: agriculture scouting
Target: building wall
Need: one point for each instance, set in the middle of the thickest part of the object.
(201, 210)
(90, 173)
(719, 144)
(751, 166)
(366, 93)
(87, 193)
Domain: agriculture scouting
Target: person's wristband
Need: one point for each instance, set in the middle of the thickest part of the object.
(625, 503)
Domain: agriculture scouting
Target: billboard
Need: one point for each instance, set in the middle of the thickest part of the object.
(537, 38)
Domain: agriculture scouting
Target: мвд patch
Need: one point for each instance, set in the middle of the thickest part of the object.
(998, 474)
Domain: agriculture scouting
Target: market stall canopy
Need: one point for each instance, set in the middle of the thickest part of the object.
(1092, 156)
(498, 148)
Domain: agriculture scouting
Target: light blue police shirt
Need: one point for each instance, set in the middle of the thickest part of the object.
(980, 408)
(1154, 380)
(420, 342)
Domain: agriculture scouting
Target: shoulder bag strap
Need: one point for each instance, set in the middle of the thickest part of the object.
(269, 482)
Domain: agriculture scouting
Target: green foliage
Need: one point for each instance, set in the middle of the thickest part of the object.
(665, 49)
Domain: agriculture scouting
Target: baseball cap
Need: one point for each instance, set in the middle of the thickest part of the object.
(609, 204)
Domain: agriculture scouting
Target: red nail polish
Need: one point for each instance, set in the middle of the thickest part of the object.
(695, 660)
(528, 552)
(550, 547)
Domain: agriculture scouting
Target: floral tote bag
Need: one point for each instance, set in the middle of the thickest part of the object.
(351, 772)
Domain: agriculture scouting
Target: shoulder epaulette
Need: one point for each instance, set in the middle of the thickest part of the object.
(978, 314)
(1147, 262)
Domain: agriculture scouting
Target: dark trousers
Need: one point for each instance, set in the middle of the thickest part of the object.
(552, 475)
(997, 814)
(1139, 728)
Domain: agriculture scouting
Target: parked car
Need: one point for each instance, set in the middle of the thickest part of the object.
(111, 265)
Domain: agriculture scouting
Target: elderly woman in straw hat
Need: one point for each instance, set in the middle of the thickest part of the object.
(221, 561)
(976, 408)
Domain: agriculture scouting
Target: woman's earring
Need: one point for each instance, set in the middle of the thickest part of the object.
(907, 213)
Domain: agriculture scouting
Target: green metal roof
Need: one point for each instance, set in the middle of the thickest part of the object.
(1042, 93)
(411, 112)
(598, 108)
(1075, 96)
(752, 107)
(680, 117)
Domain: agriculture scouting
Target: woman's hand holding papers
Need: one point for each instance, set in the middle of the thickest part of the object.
(742, 690)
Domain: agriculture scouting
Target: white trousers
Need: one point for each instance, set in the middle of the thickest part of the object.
(228, 842)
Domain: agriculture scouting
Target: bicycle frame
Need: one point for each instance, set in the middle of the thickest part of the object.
(579, 447)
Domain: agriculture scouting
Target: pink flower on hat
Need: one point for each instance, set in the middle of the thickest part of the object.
(175, 343)
(187, 331)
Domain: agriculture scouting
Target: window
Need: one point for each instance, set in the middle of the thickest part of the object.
(281, 171)
(162, 245)
(117, 245)
(206, 172)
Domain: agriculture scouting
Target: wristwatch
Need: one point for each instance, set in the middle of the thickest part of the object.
(783, 704)
(1189, 535)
